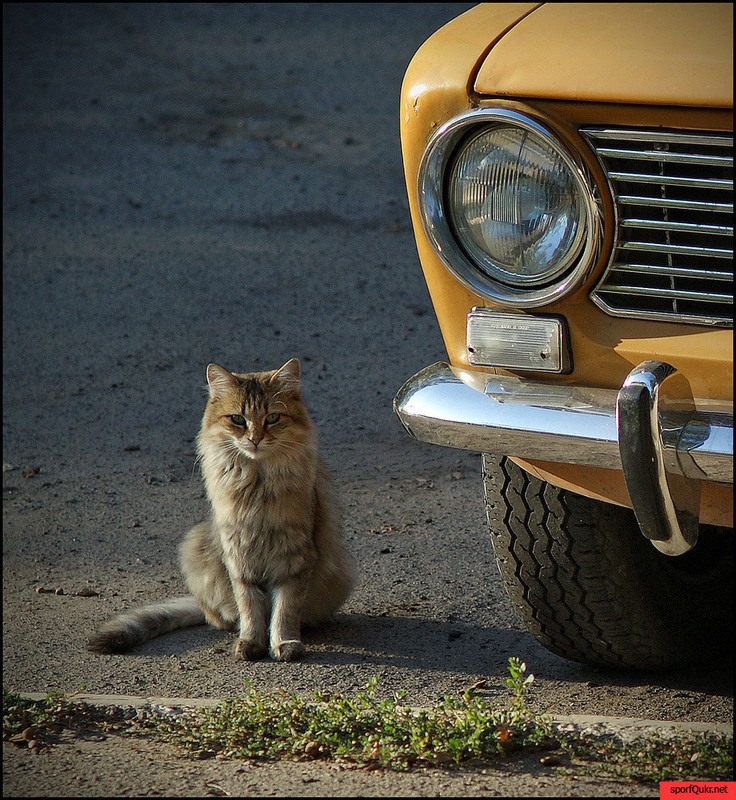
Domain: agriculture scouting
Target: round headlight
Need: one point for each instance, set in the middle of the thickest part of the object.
(508, 208)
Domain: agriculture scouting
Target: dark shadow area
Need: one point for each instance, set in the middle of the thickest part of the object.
(420, 644)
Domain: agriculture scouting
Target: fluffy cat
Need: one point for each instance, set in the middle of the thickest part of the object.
(271, 556)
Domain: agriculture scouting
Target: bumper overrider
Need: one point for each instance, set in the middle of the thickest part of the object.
(649, 429)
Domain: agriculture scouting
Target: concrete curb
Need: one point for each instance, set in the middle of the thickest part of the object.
(630, 727)
(626, 727)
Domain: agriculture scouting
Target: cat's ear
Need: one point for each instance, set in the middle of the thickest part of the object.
(218, 379)
(288, 375)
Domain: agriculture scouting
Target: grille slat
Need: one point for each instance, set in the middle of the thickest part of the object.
(682, 205)
(673, 258)
(687, 227)
(681, 249)
(659, 137)
(671, 293)
(663, 155)
(678, 272)
(670, 180)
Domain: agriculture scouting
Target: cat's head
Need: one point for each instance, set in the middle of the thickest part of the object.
(259, 415)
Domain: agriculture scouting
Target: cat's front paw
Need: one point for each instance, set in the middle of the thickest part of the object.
(292, 650)
(248, 650)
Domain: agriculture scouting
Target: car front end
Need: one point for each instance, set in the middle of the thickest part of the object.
(569, 171)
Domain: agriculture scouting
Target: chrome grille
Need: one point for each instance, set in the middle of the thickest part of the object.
(674, 255)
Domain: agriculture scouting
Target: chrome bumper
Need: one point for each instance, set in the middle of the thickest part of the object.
(650, 430)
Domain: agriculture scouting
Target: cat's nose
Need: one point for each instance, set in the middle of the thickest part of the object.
(255, 438)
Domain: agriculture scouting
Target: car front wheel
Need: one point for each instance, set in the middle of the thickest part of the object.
(590, 587)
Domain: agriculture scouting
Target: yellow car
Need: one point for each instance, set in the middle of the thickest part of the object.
(569, 171)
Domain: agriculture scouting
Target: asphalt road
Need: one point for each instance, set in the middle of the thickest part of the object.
(223, 182)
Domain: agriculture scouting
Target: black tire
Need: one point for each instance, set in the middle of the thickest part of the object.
(590, 587)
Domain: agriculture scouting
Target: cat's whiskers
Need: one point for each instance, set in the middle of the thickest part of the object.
(288, 447)
(196, 463)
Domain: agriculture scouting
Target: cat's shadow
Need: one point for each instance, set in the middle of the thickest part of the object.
(423, 644)
(404, 642)
(409, 642)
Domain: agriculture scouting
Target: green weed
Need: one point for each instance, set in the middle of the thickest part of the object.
(388, 733)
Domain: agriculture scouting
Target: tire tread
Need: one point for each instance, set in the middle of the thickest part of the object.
(577, 571)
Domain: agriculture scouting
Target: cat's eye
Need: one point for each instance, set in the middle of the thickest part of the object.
(272, 418)
(236, 419)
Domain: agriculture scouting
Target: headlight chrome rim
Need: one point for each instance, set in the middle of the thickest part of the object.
(431, 185)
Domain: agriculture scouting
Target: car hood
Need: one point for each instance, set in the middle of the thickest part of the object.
(653, 53)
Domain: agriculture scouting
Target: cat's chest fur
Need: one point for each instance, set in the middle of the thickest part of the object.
(264, 521)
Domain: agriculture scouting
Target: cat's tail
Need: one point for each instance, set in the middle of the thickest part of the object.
(141, 624)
